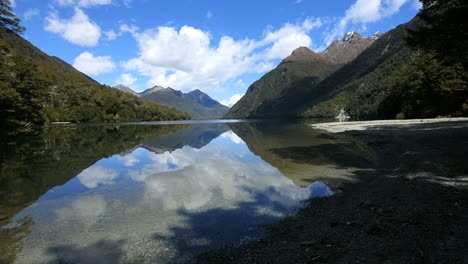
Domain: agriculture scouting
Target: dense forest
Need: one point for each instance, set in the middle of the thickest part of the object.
(36, 88)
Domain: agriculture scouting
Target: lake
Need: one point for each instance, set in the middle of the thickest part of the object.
(158, 192)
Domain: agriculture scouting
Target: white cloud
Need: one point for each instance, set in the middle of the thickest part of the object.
(417, 4)
(164, 52)
(93, 66)
(126, 79)
(286, 39)
(78, 29)
(233, 100)
(111, 35)
(129, 160)
(198, 179)
(233, 137)
(84, 3)
(12, 3)
(363, 12)
(97, 175)
(124, 28)
(83, 210)
(30, 13)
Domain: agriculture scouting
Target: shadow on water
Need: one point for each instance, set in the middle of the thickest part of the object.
(305, 155)
(221, 227)
(104, 251)
(409, 205)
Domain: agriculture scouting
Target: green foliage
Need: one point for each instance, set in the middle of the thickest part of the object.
(444, 30)
(278, 92)
(8, 19)
(36, 88)
(426, 87)
(400, 116)
(22, 93)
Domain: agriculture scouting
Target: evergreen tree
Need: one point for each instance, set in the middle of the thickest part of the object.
(444, 30)
(8, 19)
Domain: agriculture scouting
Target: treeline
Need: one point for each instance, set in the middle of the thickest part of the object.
(434, 81)
(36, 88)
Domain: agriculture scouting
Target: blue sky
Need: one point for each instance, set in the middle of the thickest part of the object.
(219, 47)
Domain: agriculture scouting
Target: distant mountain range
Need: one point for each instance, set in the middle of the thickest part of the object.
(196, 102)
(278, 92)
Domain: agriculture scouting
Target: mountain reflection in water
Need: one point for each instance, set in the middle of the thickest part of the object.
(140, 194)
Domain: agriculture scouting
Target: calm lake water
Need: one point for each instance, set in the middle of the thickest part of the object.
(158, 193)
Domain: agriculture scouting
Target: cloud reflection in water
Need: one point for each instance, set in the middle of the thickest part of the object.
(133, 196)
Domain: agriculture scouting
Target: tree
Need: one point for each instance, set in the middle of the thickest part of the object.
(443, 29)
(8, 19)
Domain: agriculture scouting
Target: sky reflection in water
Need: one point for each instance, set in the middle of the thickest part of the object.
(161, 206)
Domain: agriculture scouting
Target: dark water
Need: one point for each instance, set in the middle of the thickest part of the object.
(158, 193)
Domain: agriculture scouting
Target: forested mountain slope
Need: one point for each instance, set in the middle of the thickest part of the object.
(279, 91)
(38, 88)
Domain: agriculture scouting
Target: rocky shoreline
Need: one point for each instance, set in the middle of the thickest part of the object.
(337, 127)
(411, 206)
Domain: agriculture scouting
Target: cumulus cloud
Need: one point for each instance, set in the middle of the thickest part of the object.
(126, 79)
(164, 52)
(363, 12)
(232, 101)
(30, 13)
(233, 137)
(286, 39)
(93, 65)
(97, 175)
(192, 179)
(78, 29)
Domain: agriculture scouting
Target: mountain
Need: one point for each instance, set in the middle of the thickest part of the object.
(202, 98)
(147, 91)
(125, 89)
(38, 88)
(197, 103)
(301, 69)
(361, 85)
(349, 47)
(195, 136)
(279, 91)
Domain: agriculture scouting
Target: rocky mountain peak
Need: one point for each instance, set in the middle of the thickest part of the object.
(349, 47)
(152, 90)
(377, 35)
(125, 89)
(353, 35)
